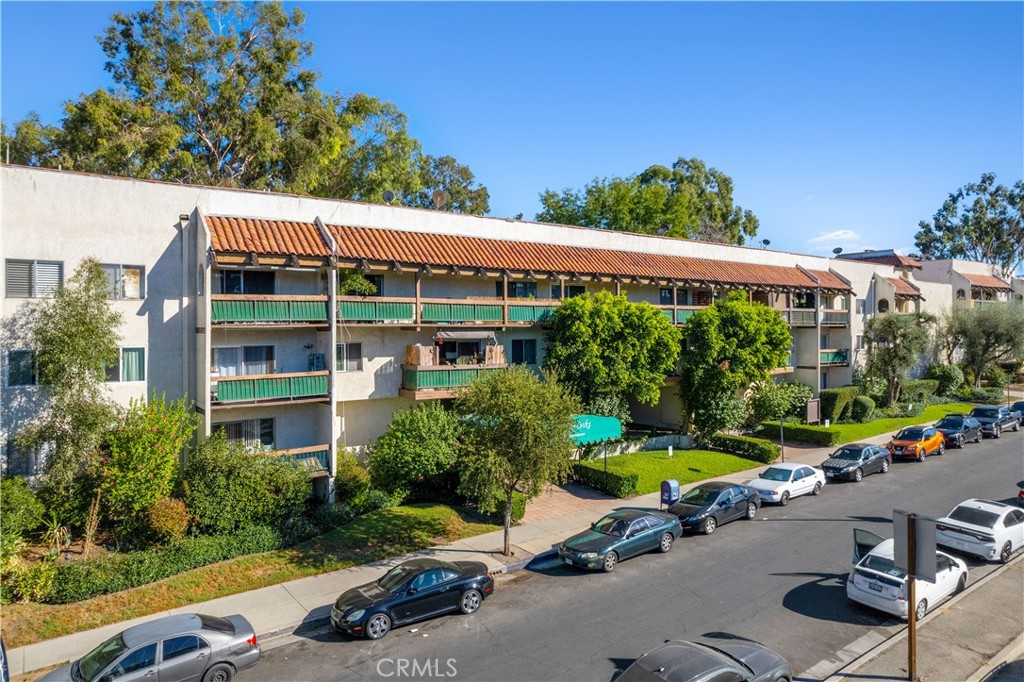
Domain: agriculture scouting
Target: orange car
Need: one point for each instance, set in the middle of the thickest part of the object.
(917, 442)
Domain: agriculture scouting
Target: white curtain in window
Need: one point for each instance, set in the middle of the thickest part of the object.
(133, 364)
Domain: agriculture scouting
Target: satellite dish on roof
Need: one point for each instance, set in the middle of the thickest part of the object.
(766, 242)
(438, 197)
(838, 250)
(389, 196)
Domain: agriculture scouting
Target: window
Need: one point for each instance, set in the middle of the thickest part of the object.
(126, 281)
(349, 357)
(32, 278)
(246, 281)
(860, 342)
(960, 295)
(1014, 518)
(136, 660)
(131, 366)
(519, 289)
(179, 646)
(428, 579)
(229, 361)
(571, 290)
(860, 306)
(21, 368)
(803, 300)
(254, 434)
(824, 341)
(378, 282)
(524, 351)
(883, 305)
(22, 461)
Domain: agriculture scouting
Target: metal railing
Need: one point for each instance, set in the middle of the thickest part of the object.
(226, 309)
(835, 356)
(267, 387)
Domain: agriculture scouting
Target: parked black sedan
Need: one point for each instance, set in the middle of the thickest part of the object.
(620, 535)
(854, 461)
(709, 660)
(411, 591)
(711, 504)
(957, 429)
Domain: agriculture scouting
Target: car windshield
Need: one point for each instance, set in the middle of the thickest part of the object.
(775, 474)
(612, 525)
(882, 565)
(951, 423)
(395, 577)
(1018, 407)
(700, 496)
(910, 434)
(985, 412)
(847, 453)
(974, 516)
(96, 661)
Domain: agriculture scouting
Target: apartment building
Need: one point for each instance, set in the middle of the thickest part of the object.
(236, 299)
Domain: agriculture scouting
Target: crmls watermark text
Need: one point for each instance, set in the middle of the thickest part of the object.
(414, 667)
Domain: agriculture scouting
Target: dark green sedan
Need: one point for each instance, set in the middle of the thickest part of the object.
(618, 536)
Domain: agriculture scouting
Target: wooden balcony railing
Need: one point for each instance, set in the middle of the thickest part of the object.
(835, 357)
(256, 388)
(803, 317)
(229, 309)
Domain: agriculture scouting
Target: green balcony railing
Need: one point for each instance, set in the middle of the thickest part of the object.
(835, 318)
(234, 309)
(460, 312)
(441, 377)
(271, 387)
(802, 318)
(376, 311)
(518, 312)
(835, 357)
(316, 458)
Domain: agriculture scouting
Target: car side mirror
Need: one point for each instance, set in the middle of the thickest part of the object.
(411, 590)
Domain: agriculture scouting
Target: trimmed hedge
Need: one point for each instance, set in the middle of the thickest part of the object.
(803, 433)
(744, 446)
(918, 390)
(619, 485)
(863, 406)
(836, 403)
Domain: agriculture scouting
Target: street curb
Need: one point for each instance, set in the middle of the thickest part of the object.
(999, 660)
(846, 671)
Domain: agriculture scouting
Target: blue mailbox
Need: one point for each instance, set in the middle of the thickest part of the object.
(669, 492)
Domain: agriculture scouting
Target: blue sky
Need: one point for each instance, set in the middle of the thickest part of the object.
(840, 124)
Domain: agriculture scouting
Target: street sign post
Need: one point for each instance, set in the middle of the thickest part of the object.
(914, 553)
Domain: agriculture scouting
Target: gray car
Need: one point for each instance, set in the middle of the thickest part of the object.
(189, 647)
(709, 659)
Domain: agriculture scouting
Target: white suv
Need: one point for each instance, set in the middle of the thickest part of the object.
(990, 530)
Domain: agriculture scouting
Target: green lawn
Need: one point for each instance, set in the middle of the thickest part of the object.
(686, 466)
(838, 434)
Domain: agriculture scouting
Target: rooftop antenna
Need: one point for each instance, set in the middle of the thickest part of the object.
(765, 243)
(438, 197)
(389, 196)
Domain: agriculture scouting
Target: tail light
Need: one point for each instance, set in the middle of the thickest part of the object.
(902, 594)
(252, 641)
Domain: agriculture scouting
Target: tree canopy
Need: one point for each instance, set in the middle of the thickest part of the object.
(981, 221)
(687, 200)
(218, 94)
(984, 335)
(894, 345)
(601, 344)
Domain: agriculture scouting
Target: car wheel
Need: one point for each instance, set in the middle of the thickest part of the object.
(610, 559)
(666, 543)
(858, 475)
(752, 508)
(1016, 427)
(942, 448)
(784, 500)
(817, 488)
(470, 601)
(922, 608)
(709, 525)
(885, 465)
(961, 584)
(1005, 552)
(920, 455)
(977, 439)
(378, 626)
(997, 432)
(959, 442)
(221, 672)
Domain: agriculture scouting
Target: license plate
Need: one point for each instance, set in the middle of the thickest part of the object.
(829, 474)
(568, 561)
(874, 586)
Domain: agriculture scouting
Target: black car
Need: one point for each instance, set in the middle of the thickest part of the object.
(411, 591)
(709, 660)
(620, 535)
(957, 429)
(711, 504)
(1018, 407)
(854, 461)
(995, 419)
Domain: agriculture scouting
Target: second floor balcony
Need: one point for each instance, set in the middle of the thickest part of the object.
(443, 311)
(261, 310)
(835, 357)
(427, 375)
(268, 388)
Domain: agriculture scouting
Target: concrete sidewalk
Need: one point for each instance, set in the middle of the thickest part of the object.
(306, 603)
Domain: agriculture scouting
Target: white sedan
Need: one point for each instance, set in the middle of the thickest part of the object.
(780, 482)
(990, 530)
(875, 581)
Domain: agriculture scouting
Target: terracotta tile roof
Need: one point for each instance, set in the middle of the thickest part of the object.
(265, 237)
(987, 282)
(903, 287)
(894, 259)
(831, 280)
(374, 244)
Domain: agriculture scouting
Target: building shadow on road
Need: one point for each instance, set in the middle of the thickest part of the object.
(823, 597)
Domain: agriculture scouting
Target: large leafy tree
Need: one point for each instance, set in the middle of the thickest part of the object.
(217, 94)
(687, 200)
(728, 346)
(981, 221)
(463, 194)
(983, 336)
(419, 448)
(894, 345)
(603, 344)
(518, 436)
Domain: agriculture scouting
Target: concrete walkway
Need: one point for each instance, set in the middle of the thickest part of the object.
(306, 603)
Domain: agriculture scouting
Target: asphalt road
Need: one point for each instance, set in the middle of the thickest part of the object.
(779, 579)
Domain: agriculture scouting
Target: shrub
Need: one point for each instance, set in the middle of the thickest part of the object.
(20, 511)
(918, 390)
(985, 396)
(618, 485)
(950, 378)
(863, 406)
(611, 405)
(518, 507)
(836, 403)
(801, 433)
(995, 377)
(799, 394)
(751, 448)
(374, 500)
(168, 519)
(419, 446)
(37, 582)
(350, 480)
(716, 413)
(327, 517)
(227, 488)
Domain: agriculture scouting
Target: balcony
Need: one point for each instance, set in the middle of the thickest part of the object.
(357, 309)
(835, 357)
(835, 318)
(267, 310)
(316, 458)
(269, 388)
(429, 382)
(444, 311)
(802, 317)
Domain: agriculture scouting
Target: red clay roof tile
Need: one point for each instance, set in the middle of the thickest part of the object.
(265, 237)
(903, 287)
(987, 282)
